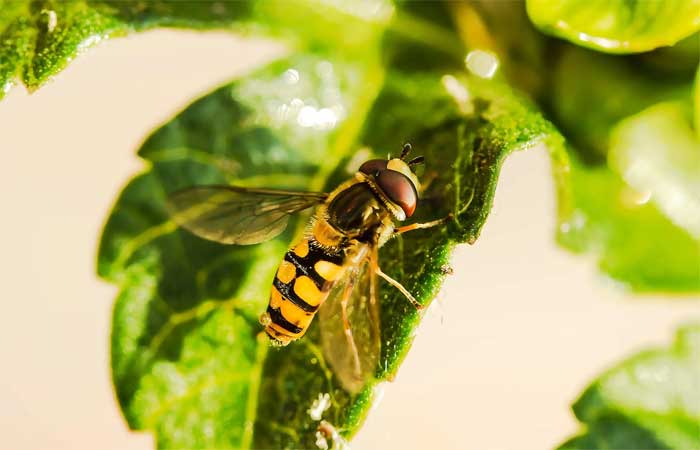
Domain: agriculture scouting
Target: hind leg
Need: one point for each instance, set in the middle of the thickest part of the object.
(399, 231)
(400, 287)
(346, 324)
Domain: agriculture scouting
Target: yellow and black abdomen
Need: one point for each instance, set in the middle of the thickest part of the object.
(301, 285)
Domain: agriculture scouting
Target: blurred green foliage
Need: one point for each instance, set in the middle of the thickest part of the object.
(648, 401)
(634, 230)
(187, 360)
(617, 26)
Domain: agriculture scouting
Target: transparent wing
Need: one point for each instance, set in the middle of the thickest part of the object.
(352, 356)
(237, 215)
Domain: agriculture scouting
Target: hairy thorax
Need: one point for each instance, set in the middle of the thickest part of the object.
(353, 215)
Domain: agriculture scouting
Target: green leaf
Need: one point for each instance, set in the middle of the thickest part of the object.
(39, 38)
(641, 213)
(187, 358)
(617, 26)
(696, 103)
(658, 155)
(676, 62)
(615, 215)
(649, 401)
(634, 243)
(503, 28)
(586, 108)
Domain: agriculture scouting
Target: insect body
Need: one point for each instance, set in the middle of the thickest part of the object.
(351, 221)
(332, 270)
(301, 285)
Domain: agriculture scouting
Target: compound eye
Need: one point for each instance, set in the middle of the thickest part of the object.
(399, 189)
(373, 166)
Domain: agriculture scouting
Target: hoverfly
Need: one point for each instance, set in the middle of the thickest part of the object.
(333, 269)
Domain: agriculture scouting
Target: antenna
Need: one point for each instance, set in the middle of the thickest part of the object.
(405, 151)
(417, 160)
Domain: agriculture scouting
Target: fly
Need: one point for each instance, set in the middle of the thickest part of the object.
(332, 270)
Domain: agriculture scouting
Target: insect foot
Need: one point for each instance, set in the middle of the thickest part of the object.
(325, 432)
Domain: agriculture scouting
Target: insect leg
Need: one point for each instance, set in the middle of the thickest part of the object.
(419, 226)
(400, 287)
(346, 323)
(374, 266)
(373, 303)
(326, 431)
(405, 150)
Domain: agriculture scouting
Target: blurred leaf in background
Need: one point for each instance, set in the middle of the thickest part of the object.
(505, 29)
(639, 212)
(617, 26)
(696, 103)
(592, 92)
(640, 231)
(649, 401)
(634, 171)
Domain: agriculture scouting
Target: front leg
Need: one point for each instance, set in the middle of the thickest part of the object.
(401, 230)
(420, 226)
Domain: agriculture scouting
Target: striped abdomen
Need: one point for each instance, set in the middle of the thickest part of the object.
(301, 285)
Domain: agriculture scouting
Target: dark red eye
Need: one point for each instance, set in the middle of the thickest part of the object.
(399, 188)
(373, 166)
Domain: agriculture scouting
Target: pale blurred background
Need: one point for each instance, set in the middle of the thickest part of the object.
(519, 331)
